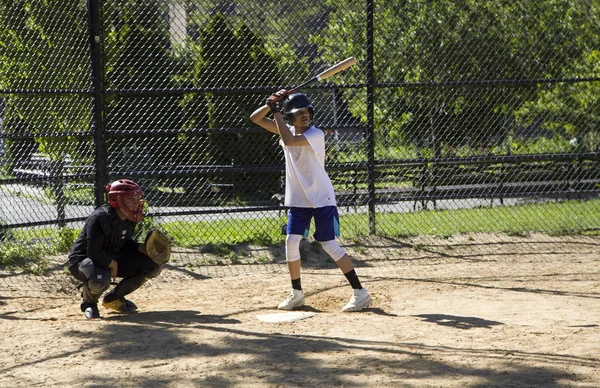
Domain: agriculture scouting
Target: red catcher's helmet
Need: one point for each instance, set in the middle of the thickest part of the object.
(121, 189)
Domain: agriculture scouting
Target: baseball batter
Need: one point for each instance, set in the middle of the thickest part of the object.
(308, 192)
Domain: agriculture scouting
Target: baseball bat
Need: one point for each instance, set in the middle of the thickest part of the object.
(338, 67)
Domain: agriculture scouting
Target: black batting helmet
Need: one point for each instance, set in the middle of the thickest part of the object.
(294, 103)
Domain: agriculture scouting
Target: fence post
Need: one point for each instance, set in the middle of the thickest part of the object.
(98, 119)
(370, 117)
(58, 186)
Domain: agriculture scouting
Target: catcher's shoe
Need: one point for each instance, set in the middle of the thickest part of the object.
(90, 310)
(293, 300)
(120, 305)
(359, 300)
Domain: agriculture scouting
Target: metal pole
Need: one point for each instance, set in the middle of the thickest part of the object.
(370, 117)
(98, 113)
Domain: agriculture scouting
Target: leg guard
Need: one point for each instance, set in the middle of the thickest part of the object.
(292, 247)
(127, 286)
(92, 289)
(333, 249)
(97, 280)
(135, 280)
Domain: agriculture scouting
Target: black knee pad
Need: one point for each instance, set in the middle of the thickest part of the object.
(92, 290)
(99, 285)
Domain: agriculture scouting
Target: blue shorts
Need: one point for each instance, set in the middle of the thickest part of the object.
(327, 222)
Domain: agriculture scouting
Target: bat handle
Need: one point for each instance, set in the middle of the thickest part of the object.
(313, 79)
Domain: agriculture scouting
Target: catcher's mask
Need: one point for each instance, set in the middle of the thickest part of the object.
(119, 191)
(294, 103)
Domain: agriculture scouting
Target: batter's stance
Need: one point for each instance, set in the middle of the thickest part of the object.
(308, 192)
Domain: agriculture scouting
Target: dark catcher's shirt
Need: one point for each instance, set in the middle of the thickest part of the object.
(103, 236)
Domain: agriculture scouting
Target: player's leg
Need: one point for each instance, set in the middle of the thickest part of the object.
(135, 269)
(297, 227)
(96, 280)
(327, 229)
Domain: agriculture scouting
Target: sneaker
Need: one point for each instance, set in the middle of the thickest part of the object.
(359, 301)
(120, 305)
(90, 310)
(294, 299)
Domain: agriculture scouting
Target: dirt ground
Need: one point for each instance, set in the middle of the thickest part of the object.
(468, 311)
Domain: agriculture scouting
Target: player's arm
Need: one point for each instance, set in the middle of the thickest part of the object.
(277, 124)
(258, 117)
(288, 138)
(95, 242)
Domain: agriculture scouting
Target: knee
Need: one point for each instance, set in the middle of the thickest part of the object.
(292, 247)
(99, 285)
(333, 249)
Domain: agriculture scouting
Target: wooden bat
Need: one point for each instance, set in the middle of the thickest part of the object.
(338, 67)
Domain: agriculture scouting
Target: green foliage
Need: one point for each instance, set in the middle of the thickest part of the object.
(29, 249)
(555, 144)
(29, 256)
(234, 58)
(146, 225)
(573, 109)
(66, 239)
(135, 32)
(421, 41)
(37, 55)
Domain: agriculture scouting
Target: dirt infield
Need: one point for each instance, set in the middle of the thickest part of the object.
(469, 311)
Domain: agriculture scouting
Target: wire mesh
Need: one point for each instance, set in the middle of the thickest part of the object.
(458, 116)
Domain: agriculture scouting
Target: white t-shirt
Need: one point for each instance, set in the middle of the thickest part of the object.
(306, 181)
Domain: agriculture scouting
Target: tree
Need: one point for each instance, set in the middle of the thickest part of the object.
(425, 44)
(231, 58)
(139, 56)
(40, 55)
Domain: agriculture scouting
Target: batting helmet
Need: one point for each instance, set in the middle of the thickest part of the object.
(122, 189)
(294, 103)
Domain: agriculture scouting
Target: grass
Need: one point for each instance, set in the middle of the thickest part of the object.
(28, 249)
(553, 218)
(265, 231)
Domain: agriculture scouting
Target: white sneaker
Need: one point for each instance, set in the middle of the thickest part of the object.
(294, 299)
(359, 301)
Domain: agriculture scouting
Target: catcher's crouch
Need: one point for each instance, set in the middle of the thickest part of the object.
(105, 249)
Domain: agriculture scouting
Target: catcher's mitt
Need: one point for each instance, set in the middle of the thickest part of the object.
(158, 246)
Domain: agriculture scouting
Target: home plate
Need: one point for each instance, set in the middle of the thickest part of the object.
(291, 316)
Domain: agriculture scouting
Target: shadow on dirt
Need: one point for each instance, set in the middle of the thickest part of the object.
(458, 322)
(234, 356)
(174, 317)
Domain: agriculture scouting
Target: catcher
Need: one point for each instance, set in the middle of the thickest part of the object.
(105, 250)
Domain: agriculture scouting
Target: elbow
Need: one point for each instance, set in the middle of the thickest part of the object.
(287, 141)
(255, 119)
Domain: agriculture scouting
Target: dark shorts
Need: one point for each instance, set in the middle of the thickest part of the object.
(327, 222)
(130, 264)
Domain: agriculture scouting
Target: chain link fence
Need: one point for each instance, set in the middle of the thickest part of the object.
(458, 117)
